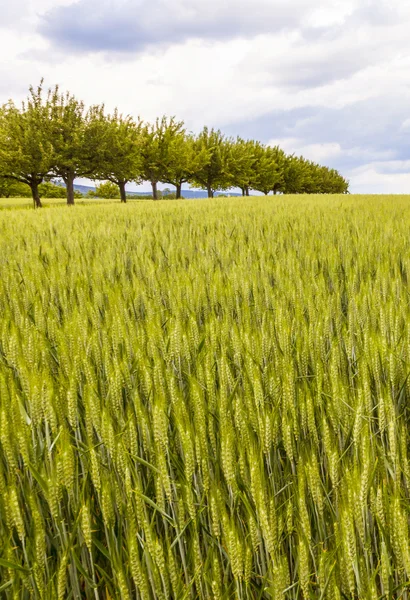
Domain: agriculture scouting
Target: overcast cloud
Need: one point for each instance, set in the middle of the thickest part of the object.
(328, 79)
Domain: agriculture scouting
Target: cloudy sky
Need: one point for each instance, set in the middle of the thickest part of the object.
(329, 79)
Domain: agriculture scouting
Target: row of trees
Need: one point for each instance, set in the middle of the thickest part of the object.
(53, 135)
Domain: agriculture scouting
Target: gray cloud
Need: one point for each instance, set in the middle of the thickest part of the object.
(133, 25)
(365, 132)
(129, 25)
(375, 32)
(318, 54)
(304, 67)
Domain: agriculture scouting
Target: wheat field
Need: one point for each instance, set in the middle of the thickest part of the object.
(206, 400)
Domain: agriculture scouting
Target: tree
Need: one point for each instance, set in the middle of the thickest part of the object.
(330, 181)
(26, 150)
(9, 188)
(297, 176)
(182, 160)
(51, 190)
(336, 183)
(215, 171)
(302, 176)
(280, 161)
(268, 173)
(76, 139)
(107, 190)
(120, 151)
(244, 164)
(155, 150)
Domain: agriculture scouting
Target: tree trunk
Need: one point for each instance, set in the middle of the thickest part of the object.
(69, 182)
(35, 194)
(243, 191)
(154, 190)
(247, 190)
(210, 192)
(178, 191)
(123, 194)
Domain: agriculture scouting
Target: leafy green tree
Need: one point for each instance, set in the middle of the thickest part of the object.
(268, 172)
(302, 176)
(107, 190)
(214, 173)
(297, 176)
(156, 150)
(333, 182)
(182, 160)
(48, 189)
(51, 190)
(9, 188)
(120, 151)
(26, 149)
(243, 168)
(280, 161)
(76, 139)
(330, 181)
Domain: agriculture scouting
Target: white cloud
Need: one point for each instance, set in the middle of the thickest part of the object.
(332, 150)
(370, 180)
(316, 152)
(332, 13)
(24, 14)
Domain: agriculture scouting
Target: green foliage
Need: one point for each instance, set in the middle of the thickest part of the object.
(26, 151)
(244, 163)
(10, 188)
(120, 150)
(214, 172)
(51, 190)
(206, 401)
(106, 190)
(76, 138)
(157, 142)
(183, 159)
(268, 174)
(301, 176)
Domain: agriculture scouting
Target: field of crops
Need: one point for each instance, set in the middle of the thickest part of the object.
(206, 400)
(23, 203)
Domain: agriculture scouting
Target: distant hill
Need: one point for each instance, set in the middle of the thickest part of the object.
(189, 194)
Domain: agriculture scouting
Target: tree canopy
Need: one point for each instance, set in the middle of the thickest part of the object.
(76, 138)
(26, 151)
(120, 151)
